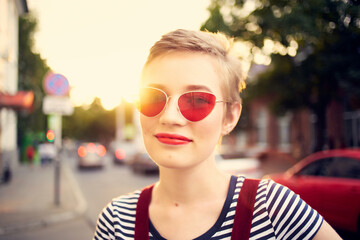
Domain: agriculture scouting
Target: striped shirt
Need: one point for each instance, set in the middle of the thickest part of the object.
(278, 214)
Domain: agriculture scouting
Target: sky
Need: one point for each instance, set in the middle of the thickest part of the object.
(100, 46)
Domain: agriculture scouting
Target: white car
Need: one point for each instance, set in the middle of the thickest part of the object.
(91, 154)
(123, 151)
(47, 152)
(248, 167)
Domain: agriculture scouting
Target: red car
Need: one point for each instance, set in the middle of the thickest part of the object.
(329, 181)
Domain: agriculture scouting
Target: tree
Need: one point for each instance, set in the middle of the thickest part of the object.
(314, 47)
(31, 70)
(92, 123)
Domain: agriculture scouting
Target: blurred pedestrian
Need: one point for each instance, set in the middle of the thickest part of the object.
(30, 152)
(189, 99)
(6, 173)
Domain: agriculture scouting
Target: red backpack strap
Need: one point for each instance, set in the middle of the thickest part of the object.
(142, 214)
(244, 210)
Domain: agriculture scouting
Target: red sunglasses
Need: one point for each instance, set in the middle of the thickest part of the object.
(194, 105)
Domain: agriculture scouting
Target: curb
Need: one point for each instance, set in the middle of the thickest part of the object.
(79, 210)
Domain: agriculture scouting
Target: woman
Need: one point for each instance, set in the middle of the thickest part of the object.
(189, 99)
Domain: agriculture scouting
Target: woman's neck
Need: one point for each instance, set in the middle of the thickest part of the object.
(187, 202)
(187, 186)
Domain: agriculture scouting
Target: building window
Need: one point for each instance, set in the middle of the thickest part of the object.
(262, 128)
(352, 129)
(284, 132)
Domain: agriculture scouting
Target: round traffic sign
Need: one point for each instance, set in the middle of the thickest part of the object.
(56, 84)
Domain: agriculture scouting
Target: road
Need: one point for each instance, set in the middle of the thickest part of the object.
(98, 187)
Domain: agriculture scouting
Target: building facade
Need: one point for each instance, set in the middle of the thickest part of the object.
(294, 133)
(10, 10)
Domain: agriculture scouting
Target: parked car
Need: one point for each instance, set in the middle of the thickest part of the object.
(274, 161)
(122, 151)
(47, 152)
(91, 154)
(329, 181)
(142, 163)
(248, 167)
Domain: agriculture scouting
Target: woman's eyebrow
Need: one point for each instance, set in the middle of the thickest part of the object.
(157, 85)
(198, 87)
(187, 88)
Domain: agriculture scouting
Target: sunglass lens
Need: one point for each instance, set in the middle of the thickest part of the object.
(151, 102)
(195, 106)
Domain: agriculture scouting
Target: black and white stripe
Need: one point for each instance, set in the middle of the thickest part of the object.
(278, 214)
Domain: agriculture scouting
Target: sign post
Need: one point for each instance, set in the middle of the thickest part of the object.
(56, 104)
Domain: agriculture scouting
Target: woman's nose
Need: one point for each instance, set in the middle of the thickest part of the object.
(171, 113)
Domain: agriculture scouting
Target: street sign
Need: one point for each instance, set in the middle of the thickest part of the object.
(57, 105)
(56, 84)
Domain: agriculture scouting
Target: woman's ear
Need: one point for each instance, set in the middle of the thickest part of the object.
(231, 118)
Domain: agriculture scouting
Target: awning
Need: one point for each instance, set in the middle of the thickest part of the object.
(22, 100)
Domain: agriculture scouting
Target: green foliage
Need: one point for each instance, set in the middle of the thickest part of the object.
(216, 21)
(92, 123)
(31, 70)
(327, 36)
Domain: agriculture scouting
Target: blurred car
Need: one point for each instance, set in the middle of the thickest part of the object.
(274, 161)
(123, 151)
(47, 152)
(329, 181)
(248, 167)
(91, 154)
(142, 163)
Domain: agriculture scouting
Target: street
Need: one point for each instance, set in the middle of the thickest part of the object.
(97, 187)
(94, 187)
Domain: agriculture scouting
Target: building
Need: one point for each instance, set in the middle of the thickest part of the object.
(293, 134)
(10, 99)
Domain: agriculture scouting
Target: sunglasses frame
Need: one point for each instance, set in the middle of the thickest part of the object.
(178, 108)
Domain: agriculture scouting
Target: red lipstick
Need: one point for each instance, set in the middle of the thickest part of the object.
(172, 139)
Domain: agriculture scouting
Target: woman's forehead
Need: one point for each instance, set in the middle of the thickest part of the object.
(185, 71)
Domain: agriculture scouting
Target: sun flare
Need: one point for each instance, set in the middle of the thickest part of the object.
(105, 58)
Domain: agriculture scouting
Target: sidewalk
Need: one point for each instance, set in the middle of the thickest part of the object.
(28, 200)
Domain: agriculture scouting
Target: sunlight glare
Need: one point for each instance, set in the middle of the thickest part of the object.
(79, 97)
(105, 58)
(242, 50)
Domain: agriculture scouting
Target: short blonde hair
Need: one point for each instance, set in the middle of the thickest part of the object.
(217, 45)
